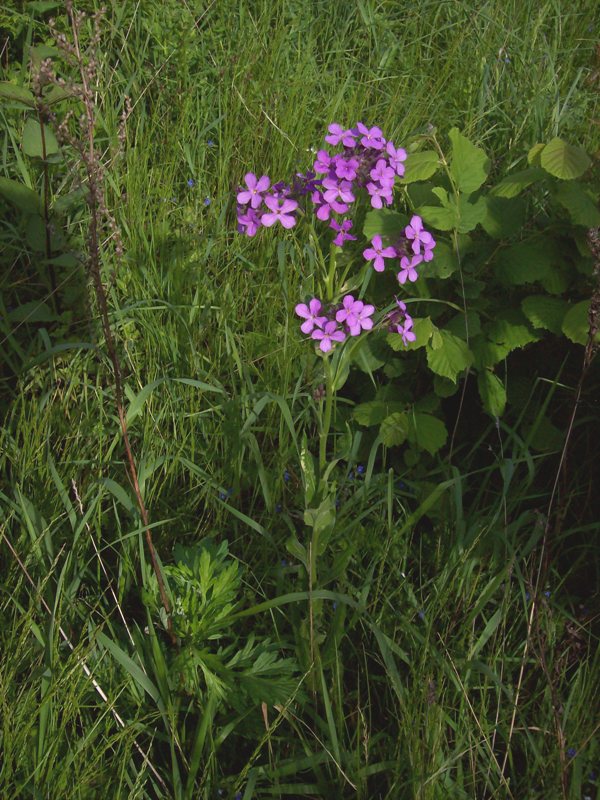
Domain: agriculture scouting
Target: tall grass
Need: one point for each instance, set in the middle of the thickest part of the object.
(447, 669)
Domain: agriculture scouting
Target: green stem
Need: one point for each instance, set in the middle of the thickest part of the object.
(326, 417)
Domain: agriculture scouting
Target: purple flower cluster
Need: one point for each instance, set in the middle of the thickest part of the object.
(256, 208)
(402, 323)
(351, 317)
(414, 247)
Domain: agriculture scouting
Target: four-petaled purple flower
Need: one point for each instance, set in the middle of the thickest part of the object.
(371, 137)
(419, 236)
(342, 229)
(382, 173)
(408, 271)
(280, 210)
(248, 222)
(313, 315)
(395, 158)
(256, 189)
(327, 335)
(356, 315)
(377, 253)
(338, 134)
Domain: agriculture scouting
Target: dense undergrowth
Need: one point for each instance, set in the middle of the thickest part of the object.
(448, 646)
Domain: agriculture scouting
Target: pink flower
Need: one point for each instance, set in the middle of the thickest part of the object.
(330, 333)
(255, 191)
(395, 157)
(279, 211)
(408, 271)
(377, 253)
(372, 138)
(382, 173)
(379, 193)
(419, 236)
(311, 313)
(356, 315)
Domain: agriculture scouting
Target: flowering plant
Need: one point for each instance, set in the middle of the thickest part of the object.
(366, 165)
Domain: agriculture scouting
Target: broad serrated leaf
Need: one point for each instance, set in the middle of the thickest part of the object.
(450, 357)
(422, 328)
(420, 166)
(469, 214)
(427, 432)
(545, 312)
(394, 429)
(526, 262)
(444, 387)
(464, 326)
(10, 91)
(492, 393)
(533, 156)
(384, 222)
(575, 197)
(375, 411)
(469, 164)
(512, 185)
(21, 196)
(511, 330)
(444, 261)
(576, 324)
(444, 219)
(36, 145)
(487, 353)
(563, 160)
(505, 216)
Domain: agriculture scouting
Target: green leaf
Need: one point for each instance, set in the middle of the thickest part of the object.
(444, 387)
(307, 466)
(505, 216)
(564, 160)
(444, 219)
(21, 196)
(384, 222)
(375, 411)
(420, 166)
(526, 262)
(576, 324)
(511, 330)
(138, 401)
(460, 325)
(486, 353)
(455, 213)
(423, 330)
(34, 311)
(427, 432)
(322, 521)
(545, 312)
(135, 672)
(492, 393)
(575, 197)
(367, 354)
(469, 164)
(10, 91)
(33, 143)
(35, 233)
(533, 156)
(469, 214)
(444, 261)
(513, 184)
(394, 429)
(448, 356)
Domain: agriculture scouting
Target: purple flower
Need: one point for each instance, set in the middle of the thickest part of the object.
(356, 315)
(322, 162)
(338, 193)
(280, 210)
(571, 752)
(419, 236)
(346, 168)
(408, 271)
(379, 194)
(248, 222)
(395, 157)
(377, 253)
(191, 183)
(329, 334)
(206, 201)
(343, 235)
(383, 173)
(338, 134)
(256, 188)
(405, 331)
(322, 209)
(372, 138)
(312, 314)
(281, 190)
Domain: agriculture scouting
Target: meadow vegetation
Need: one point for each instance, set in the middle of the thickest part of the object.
(378, 583)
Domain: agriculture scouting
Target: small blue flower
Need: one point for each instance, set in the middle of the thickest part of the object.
(191, 183)
(593, 775)
(278, 508)
(225, 495)
(210, 143)
(571, 752)
(421, 615)
(238, 796)
(206, 201)
(334, 605)
(360, 469)
(283, 563)
(547, 593)
(286, 476)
